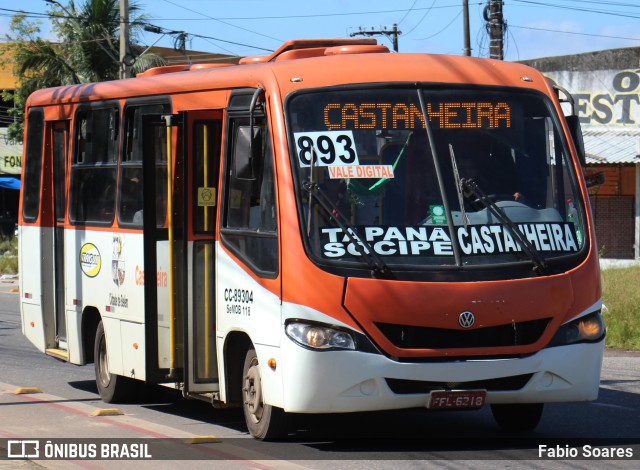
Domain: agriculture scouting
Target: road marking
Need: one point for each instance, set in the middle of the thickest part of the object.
(202, 440)
(25, 390)
(107, 412)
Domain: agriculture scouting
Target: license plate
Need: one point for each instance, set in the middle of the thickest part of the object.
(456, 399)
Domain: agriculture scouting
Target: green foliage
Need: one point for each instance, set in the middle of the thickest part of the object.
(8, 255)
(622, 316)
(32, 60)
(87, 50)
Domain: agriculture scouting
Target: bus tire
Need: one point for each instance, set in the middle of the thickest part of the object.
(517, 417)
(263, 421)
(111, 387)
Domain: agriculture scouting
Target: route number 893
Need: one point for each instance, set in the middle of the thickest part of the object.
(330, 148)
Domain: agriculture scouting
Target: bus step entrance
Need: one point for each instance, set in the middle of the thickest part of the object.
(58, 354)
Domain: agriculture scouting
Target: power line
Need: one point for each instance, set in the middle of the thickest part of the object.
(315, 15)
(604, 2)
(573, 32)
(423, 17)
(182, 35)
(230, 42)
(443, 29)
(515, 43)
(221, 21)
(585, 10)
(52, 17)
(407, 12)
(33, 14)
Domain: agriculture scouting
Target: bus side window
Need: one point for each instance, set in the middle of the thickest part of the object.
(130, 197)
(93, 173)
(250, 223)
(33, 166)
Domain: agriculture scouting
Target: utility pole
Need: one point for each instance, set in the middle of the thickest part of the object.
(125, 51)
(467, 37)
(496, 28)
(393, 34)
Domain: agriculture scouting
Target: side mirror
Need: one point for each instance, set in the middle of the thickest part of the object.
(576, 134)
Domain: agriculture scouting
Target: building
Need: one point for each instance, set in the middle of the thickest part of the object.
(606, 89)
(10, 163)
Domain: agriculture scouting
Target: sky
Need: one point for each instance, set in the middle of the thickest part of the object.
(535, 28)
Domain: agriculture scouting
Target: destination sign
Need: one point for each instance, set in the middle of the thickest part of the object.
(553, 237)
(445, 115)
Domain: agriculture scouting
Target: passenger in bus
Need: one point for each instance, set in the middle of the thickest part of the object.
(106, 202)
(491, 165)
(131, 198)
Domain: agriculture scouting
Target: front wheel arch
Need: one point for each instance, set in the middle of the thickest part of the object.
(264, 421)
(236, 345)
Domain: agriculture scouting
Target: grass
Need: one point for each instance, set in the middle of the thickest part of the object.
(621, 295)
(8, 255)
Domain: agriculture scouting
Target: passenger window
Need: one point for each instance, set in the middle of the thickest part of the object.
(250, 222)
(131, 181)
(93, 172)
(33, 166)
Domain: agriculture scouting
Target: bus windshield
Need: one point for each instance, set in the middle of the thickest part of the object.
(376, 179)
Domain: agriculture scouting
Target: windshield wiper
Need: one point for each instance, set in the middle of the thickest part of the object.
(459, 190)
(539, 264)
(378, 266)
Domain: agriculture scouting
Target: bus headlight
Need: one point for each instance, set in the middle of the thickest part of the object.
(316, 336)
(586, 329)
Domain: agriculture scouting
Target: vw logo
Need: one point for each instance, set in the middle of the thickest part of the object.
(466, 319)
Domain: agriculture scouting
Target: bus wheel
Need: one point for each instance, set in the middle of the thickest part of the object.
(518, 417)
(112, 388)
(263, 421)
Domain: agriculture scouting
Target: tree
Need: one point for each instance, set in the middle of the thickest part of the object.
(87, 50)
(26, 48)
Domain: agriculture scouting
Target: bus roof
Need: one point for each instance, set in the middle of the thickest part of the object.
(305, 64)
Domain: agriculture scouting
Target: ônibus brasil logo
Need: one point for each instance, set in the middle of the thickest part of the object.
(90, 261)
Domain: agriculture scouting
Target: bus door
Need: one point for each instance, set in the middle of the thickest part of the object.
(163, 247)
(53, 250)
(180, 197)
(204, 130)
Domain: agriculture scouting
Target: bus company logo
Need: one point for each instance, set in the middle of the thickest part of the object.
(117, 262)
(90, 260)
(466, 319)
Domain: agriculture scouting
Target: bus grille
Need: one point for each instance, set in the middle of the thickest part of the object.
(421, 337)
(407, 387)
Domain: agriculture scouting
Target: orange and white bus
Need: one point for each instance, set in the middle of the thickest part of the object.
(330, 228)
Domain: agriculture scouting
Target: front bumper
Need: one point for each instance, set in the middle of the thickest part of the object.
(351, 381)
